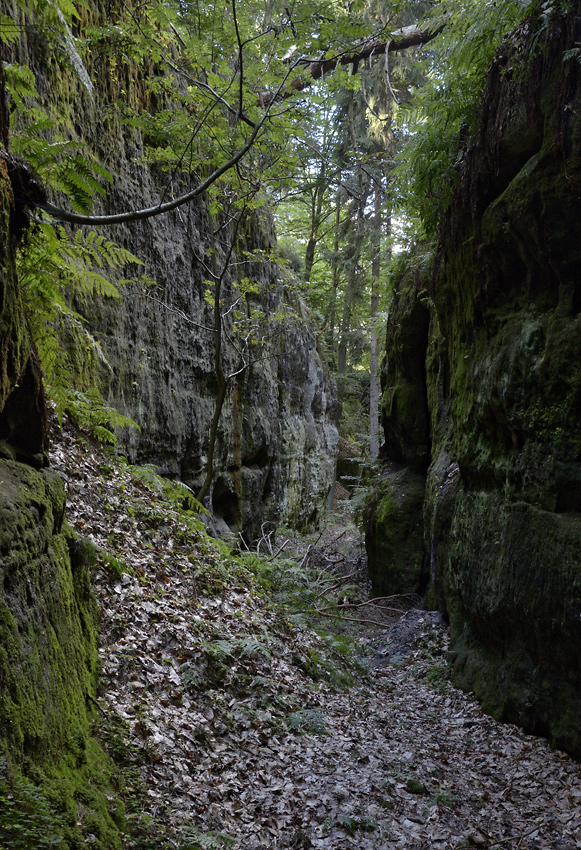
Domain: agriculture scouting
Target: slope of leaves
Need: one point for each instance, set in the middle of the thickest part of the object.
(233, 728)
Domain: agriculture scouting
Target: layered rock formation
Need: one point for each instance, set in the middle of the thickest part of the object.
(277, 438)
(48, 617)
(501, 379)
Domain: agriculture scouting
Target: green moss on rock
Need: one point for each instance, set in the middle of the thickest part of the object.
(48, 660)
(394, 534)
(503, 500)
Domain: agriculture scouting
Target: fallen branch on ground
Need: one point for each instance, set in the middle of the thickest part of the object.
(350, 619)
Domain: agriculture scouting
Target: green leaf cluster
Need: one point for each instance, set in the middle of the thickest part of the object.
(175, 492)
(447, 106)
(55, 270)
(26, 818)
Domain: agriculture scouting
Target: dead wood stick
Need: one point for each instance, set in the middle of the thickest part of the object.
(278, 551)
(360, 604)
(328, 590)
(349, 619)
(338, 578)
(343, 533)
(241, 536)
(338, 583)
(95, 703)
(515, 837)
(306, 555)
(375, 599)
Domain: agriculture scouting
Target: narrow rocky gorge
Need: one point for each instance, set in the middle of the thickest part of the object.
(150, 689)
(481, 402)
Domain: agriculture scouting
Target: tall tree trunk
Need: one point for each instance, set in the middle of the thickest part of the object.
(332, 312)
(349, 298)
(374, 388)
(220, 380)
(373, 357)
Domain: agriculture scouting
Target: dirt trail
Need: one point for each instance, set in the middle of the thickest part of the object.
(240, 723)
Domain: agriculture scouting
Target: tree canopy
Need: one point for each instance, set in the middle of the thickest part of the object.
(345, 118)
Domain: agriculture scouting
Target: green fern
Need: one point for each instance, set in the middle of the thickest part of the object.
(193, 839)
(174, 491)
(90, 411)
(53, 269)
(308, 720)
(222, 649)
(26, 818)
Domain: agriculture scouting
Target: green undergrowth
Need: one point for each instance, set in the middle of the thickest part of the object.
(64, 805)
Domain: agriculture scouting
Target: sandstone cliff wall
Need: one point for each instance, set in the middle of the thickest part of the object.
(277, 439)
(502, 382)
(48, 617)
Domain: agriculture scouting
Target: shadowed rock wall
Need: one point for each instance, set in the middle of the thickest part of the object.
(502, 507)
(278, 439)
(48, 616)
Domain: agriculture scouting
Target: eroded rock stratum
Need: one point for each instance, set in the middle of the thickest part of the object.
(488, 404)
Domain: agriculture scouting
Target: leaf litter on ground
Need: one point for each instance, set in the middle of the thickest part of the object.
(247, 730)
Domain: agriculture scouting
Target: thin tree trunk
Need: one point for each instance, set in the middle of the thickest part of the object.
(332, 314)
(221, 378)
(316, 210)
(373, 357)
(222, 387)
(348, 301)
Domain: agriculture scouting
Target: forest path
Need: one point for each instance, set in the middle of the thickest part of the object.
(234, 727)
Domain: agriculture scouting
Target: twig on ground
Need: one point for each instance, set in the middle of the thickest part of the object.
(350, 619)
(515, 837)
(361, 604)
(338, 583)
(95, 703)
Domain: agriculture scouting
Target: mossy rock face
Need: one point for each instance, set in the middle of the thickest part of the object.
(22, 416)
(404, 407)
(47, 618)
(503, 500)
(501, 379)
(513, 591)
(277, 436)
(394, 534)
(49, 666)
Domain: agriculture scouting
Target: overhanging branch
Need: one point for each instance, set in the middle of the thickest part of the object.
(401, 39)
(148, 212)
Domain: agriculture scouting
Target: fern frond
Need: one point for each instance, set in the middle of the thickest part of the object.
(174, 491)
(89, 411)
(307, 720)
(9, 30)
(193, 839)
